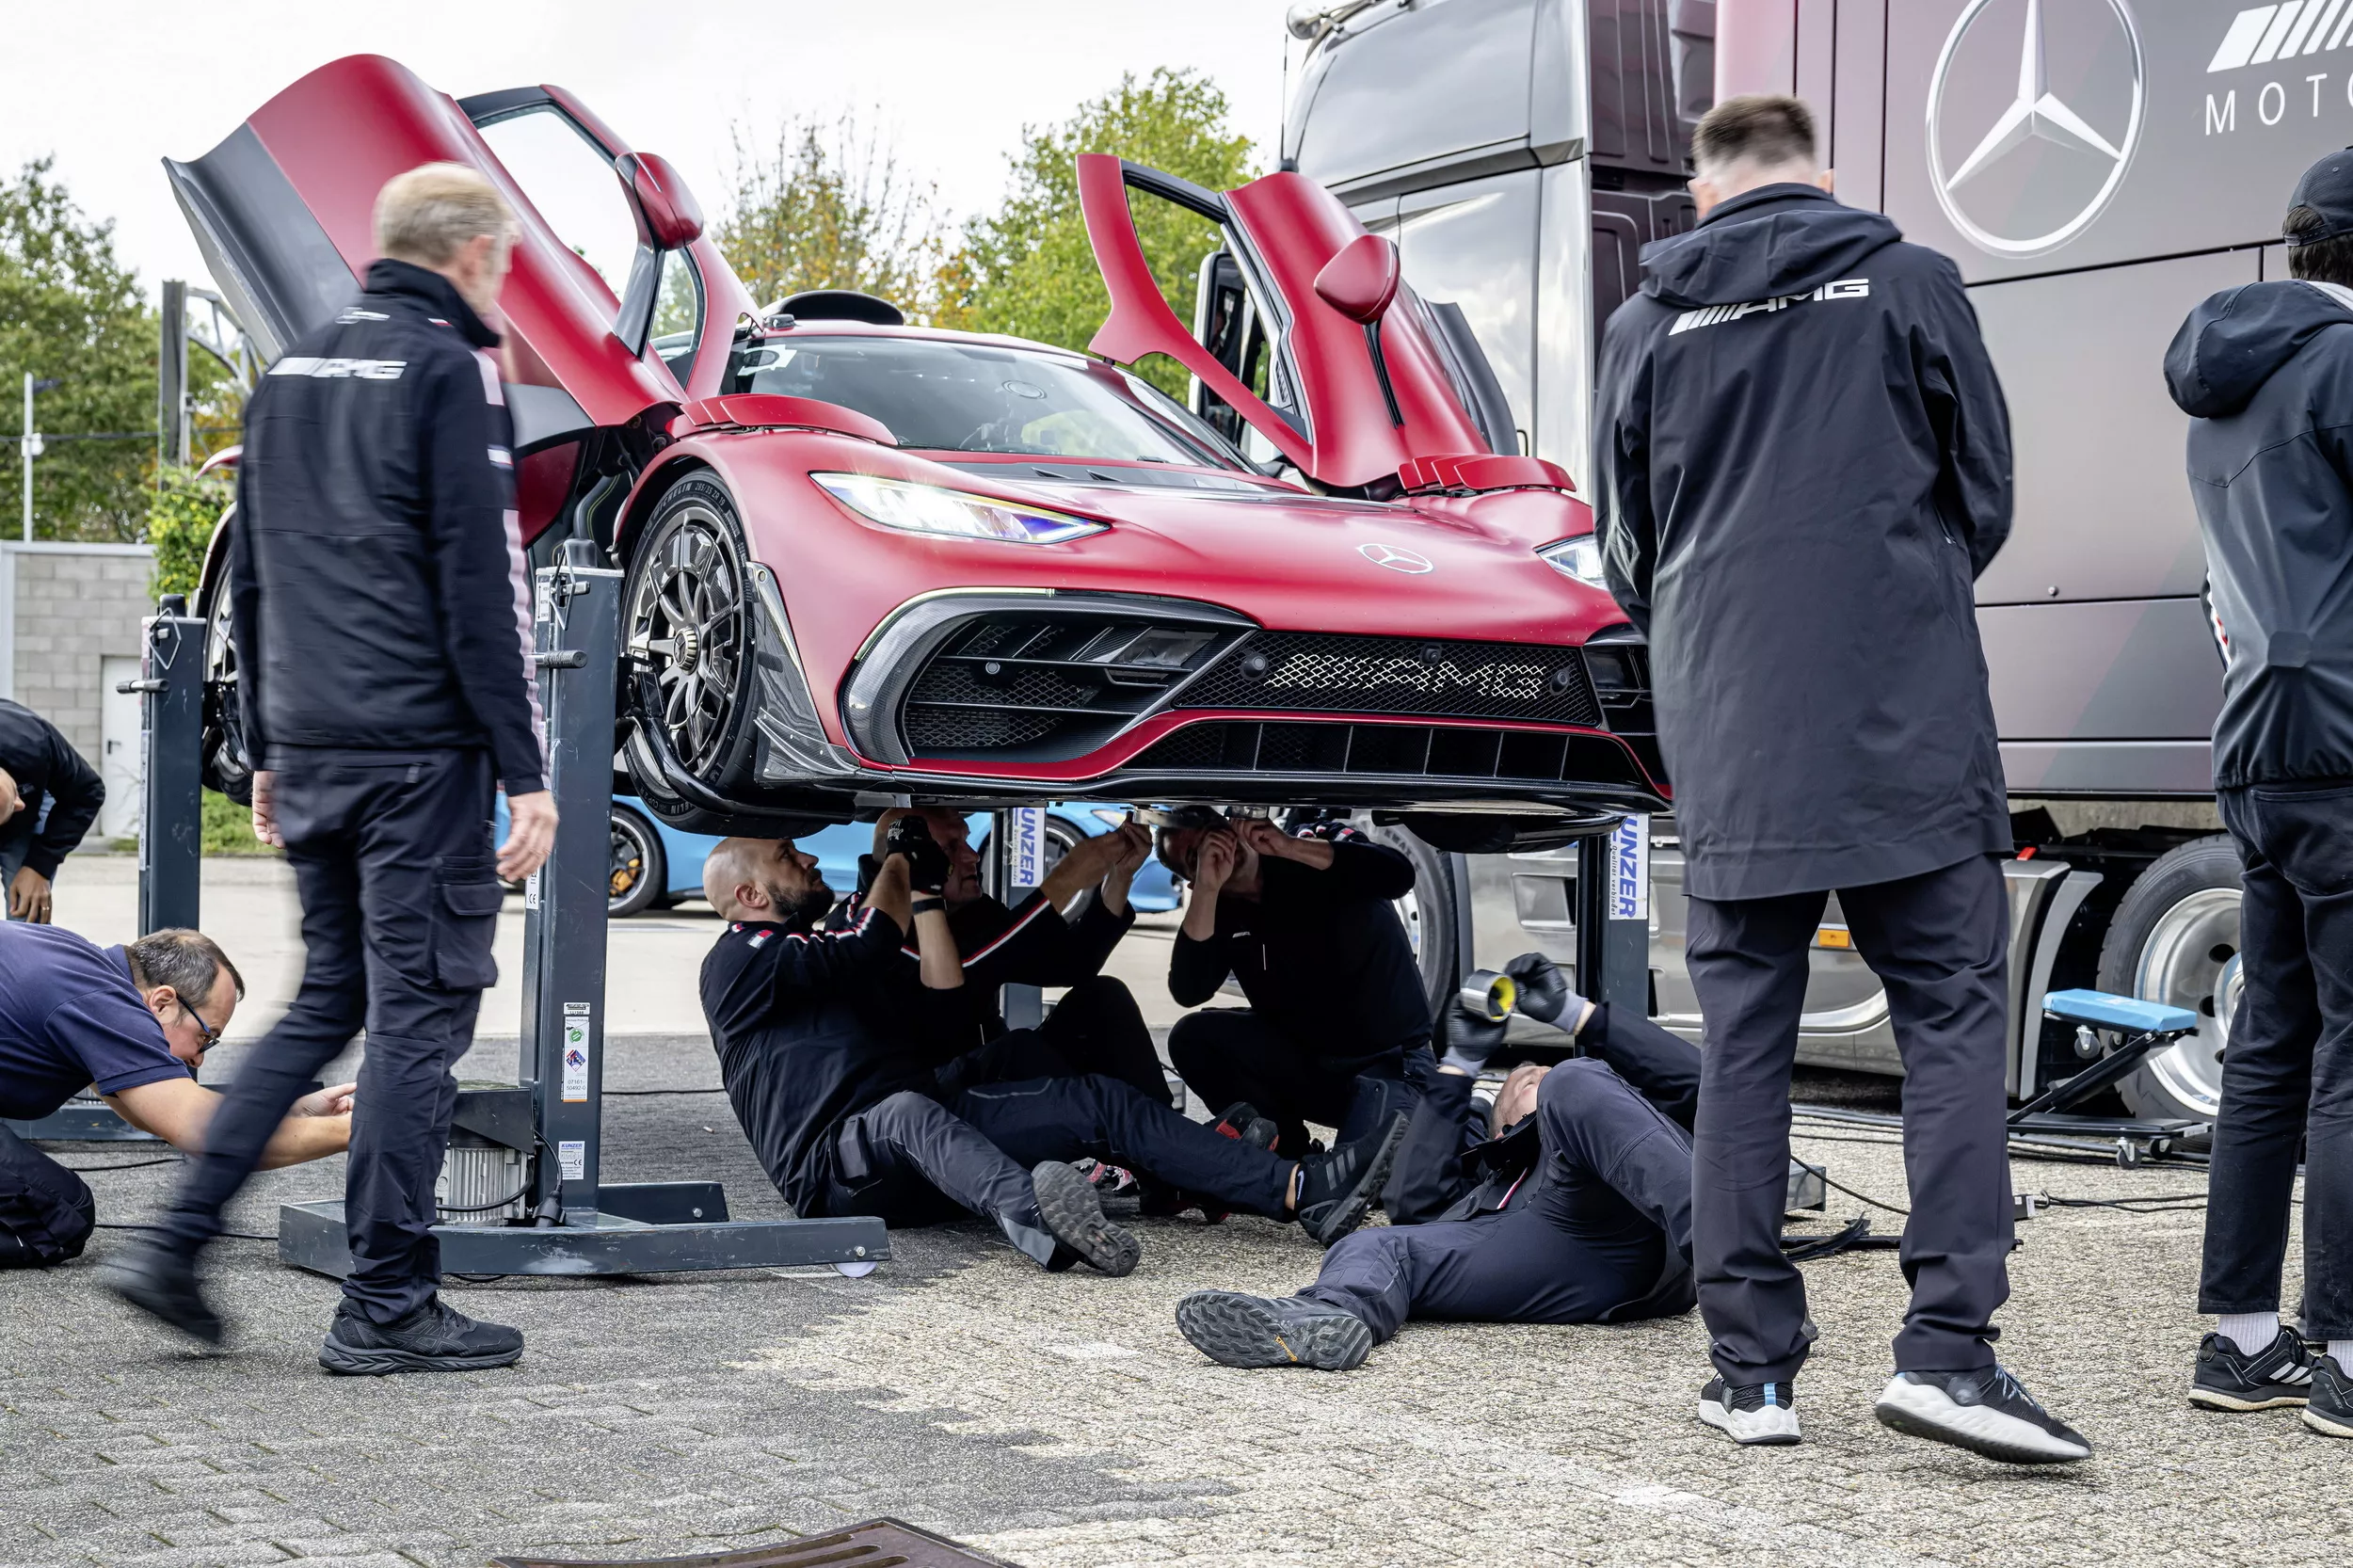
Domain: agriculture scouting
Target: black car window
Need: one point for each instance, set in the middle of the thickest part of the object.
(974, 397)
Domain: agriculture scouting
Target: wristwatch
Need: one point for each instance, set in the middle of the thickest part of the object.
(925, 906)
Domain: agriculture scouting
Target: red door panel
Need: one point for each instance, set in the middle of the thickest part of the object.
(1286, 228)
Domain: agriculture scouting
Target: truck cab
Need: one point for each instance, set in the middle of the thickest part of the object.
(2095, 168)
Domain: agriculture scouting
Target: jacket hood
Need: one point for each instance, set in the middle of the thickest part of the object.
(1774, 240)
(2235, 340)
(386, 276)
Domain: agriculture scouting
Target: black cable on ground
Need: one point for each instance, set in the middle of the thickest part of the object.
(232, 1235)
(2168, 1203)
(1865, 1197)
(130, 1164)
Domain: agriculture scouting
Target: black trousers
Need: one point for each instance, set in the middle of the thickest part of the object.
(1095, 1027)
(46, 1211)
(1613, 1194)
(1228, 1053)
(911, 1160)
(2287, 1077)
(1939, 944)
(392, 856)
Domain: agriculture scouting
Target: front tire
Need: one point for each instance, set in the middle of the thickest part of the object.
(689, 614)
(1427, 912)
(640, 872)
(2174, 938)
(225, 767)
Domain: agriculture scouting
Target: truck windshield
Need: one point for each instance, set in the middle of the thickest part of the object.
(975, 397)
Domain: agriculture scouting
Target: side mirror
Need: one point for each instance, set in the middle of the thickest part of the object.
(673, 217)
(1361, 280)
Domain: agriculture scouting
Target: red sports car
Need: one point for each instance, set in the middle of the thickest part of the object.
(867, 560)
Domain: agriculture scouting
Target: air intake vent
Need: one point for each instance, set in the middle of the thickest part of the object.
(1324, 672)
(1390, 750)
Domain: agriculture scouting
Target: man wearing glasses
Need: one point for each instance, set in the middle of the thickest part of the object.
(131, 1023)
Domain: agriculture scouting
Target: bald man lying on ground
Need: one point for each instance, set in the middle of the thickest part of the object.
(833, 1045)
(132, 1023)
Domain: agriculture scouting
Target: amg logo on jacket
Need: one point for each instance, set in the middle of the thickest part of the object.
(1708, 316)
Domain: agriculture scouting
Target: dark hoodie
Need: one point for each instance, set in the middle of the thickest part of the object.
(2265, 374)
(1802, 461)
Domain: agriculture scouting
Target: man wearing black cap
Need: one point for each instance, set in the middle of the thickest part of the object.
(2265, 373)
(1804, 463)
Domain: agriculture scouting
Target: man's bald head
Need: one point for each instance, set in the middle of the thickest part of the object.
(764, 879)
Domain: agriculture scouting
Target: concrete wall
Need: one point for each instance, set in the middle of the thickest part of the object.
(64, 608)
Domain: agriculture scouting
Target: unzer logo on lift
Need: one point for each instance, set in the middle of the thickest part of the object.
(2023, 158)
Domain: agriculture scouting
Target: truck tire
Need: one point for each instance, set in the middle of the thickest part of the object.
(1427, 912)
(2175, 938)
(640, 872)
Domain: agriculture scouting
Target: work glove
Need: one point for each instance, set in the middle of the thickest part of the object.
(1470, 1039)
(927, 863)
(1544, 995)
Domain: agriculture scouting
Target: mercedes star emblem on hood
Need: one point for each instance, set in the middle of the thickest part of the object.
(2005, 194)
(1396, 558)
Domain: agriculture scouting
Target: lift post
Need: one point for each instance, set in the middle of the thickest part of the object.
(1017, 865)
(566, 1219)
(171, 688)
(1613, 915)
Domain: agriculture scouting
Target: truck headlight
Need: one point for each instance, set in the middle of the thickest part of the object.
(931, 509)
(1579, 558)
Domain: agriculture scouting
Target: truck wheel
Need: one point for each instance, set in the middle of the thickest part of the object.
(640, 872)
(1428, 911)
(2174, 938)
(688, 606)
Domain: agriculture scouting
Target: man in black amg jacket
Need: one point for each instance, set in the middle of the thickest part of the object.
(37, 765)
(1338, 1030)
(1569, 1203)
(382, 613)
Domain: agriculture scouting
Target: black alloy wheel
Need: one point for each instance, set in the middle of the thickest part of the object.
(689, 614)
(224, 765)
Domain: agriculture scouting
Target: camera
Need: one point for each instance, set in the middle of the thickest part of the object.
(927, 862)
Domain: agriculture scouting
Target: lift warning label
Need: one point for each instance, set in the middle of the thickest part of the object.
(1630, 883)
(576, 1052)
(571, 1159)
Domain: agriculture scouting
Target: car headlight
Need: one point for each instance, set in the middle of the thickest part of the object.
(1579, 558)
(930, 510)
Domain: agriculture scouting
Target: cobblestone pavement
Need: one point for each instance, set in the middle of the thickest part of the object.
(1061, 1422)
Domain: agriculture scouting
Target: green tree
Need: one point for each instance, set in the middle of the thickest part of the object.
(827, 207)
(1027, 269)
(70, 310)
(181, 513)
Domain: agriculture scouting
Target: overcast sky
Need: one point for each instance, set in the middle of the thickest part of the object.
(111, 92)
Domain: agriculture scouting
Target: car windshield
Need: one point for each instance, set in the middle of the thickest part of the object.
(977, 397)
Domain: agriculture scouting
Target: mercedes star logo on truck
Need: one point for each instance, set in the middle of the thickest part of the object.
(2000, 201)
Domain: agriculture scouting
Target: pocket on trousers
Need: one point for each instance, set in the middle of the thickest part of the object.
(465, 916)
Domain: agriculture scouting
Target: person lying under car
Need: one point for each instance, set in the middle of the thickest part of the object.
(833, 1044)
(1569, 1203)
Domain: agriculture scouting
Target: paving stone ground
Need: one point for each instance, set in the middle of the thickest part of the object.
(1061, 1422)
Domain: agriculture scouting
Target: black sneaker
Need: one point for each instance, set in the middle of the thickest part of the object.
(1984, 1411)
(1751, 1413)
(1337, 1189)
(1235, 1330)
(1074, 1213)
(435, 1337)
(2228, 1379)
(160, 1280)
(1241, 1121)
(2330, 1411)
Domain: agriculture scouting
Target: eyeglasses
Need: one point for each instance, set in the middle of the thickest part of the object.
(206, 1035)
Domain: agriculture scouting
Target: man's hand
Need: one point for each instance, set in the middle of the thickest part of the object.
(1272, 842)
(333, 1101)
(1470, 1040)
(1544, 995)
(1130, 845)
(28, 897)
(265, 808)
(1214, 861)
(530, 832)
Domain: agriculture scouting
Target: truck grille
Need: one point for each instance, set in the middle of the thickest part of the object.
(1328, 672)
(1390, 750)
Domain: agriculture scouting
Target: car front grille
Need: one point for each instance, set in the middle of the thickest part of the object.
(1328, 672)
(1049, 684)
(1389, 750)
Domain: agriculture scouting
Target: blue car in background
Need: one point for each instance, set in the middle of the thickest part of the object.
(655, 866)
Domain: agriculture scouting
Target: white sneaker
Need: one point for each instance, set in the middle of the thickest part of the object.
(1750, 1413)
(1984, 1411)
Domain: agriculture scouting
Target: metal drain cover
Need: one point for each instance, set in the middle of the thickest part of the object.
(875, 1544)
